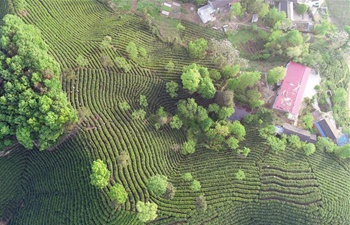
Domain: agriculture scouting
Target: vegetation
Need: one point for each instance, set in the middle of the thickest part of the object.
(100, 174)
(146, 211)
(118, 194)
(33, 108)
(157, 184)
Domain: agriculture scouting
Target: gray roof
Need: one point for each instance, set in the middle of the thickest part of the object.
(304, 135)
(205, 13)
(219, 3)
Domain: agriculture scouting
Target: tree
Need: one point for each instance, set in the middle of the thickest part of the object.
(171, 88)
(188, 147)
(123, 159)
(238, 130)
(206, 88)
(132, 51)
(195, 185)
(197, 49)
(143, 101)
(240, 175)
(294, 142)
(139, 114)
(143, 52)
(276, 144)
(245, 151)
(247, 79)
(176, 122)
(274, 16)
(267, 131)
(100, 174)
(225, 112)
(232, 143)
(308, 121)
(191, 79)
(201, 203)
(214, 74)
(106, 42)
(325, 144)
(301, 9)
(275, 75)
(236, 9)
(81, 61)
(230, 71)
(146, 211)
(124, 105)
(180, 28)
(187, 176)
(157, 184)
(118, 194)
(122, 63)
(323, 28)
(33, 106)
(170, 67)
(309, 149)
(264, 10)
(343, 152)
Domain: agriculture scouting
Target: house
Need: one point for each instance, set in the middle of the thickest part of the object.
(304, 135)
(290, 95)
(327, 128)
(206, 12)
(288, 7)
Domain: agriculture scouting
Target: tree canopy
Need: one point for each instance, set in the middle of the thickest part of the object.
(118, 194)
(100, 174)
(157, 184)
(33, 107)
(197, 48)
(146, 211)
(275, 75)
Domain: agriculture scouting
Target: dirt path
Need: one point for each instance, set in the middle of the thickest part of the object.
(347, 59)
(133, 6)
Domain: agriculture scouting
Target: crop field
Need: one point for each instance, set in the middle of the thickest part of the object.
(53, 187)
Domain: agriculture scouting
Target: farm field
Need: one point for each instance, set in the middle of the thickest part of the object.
(53, 187)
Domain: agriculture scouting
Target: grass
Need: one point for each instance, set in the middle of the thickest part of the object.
(166, 8)
(124, 5)
(53, 187)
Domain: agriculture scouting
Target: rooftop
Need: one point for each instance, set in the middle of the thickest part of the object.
(304, 135)
(219, 3)
(290, 95)
(205, 12)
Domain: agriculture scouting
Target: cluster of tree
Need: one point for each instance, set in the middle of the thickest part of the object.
(135, 53)
(195, 185)
(196, 78)
(250, 6)
(197, 48)
(34, 110)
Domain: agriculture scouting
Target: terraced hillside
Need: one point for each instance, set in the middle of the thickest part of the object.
(53, 187)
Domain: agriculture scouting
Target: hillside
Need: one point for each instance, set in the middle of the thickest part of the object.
(53, 187)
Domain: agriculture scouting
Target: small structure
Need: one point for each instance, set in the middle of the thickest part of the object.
(206, 12)
(288, 7)
(325, 129)
(255, 18)
(304, 135)
(291, 93)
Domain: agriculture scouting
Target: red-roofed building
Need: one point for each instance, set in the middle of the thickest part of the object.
(291, 93)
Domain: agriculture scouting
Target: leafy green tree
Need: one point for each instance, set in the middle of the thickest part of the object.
(201, 203)
(232, 143)
(197, 49)
(143, 101)
(118, 194)
(214, 74)
(247, 79)
(308, 121)
(343, 152)
(276, 144)
(123, 64)
(195, 185)
(82, 61)
(124, 105)
(206, 88)
(187, 176)
(238, 130)
(170, 66)
(176, 122)
(301, 9)
(143, 52)
(139, 114)
(236, 9)
(33, 106)
(325, 144)
(171, 88)
(188, 147)
(274, 16)
(225, 112)
(240, 175)
(100, 174)
(106, 42)
(157, 184)
(230, 71)
(253, 96)
(294, 142)
(191, 79)
(132, 51)
(146, 211)
(245, 151)
(267, 131)
(123, 159)
(275, 75)
(180, 28)
(264, 10)
(309, 149)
